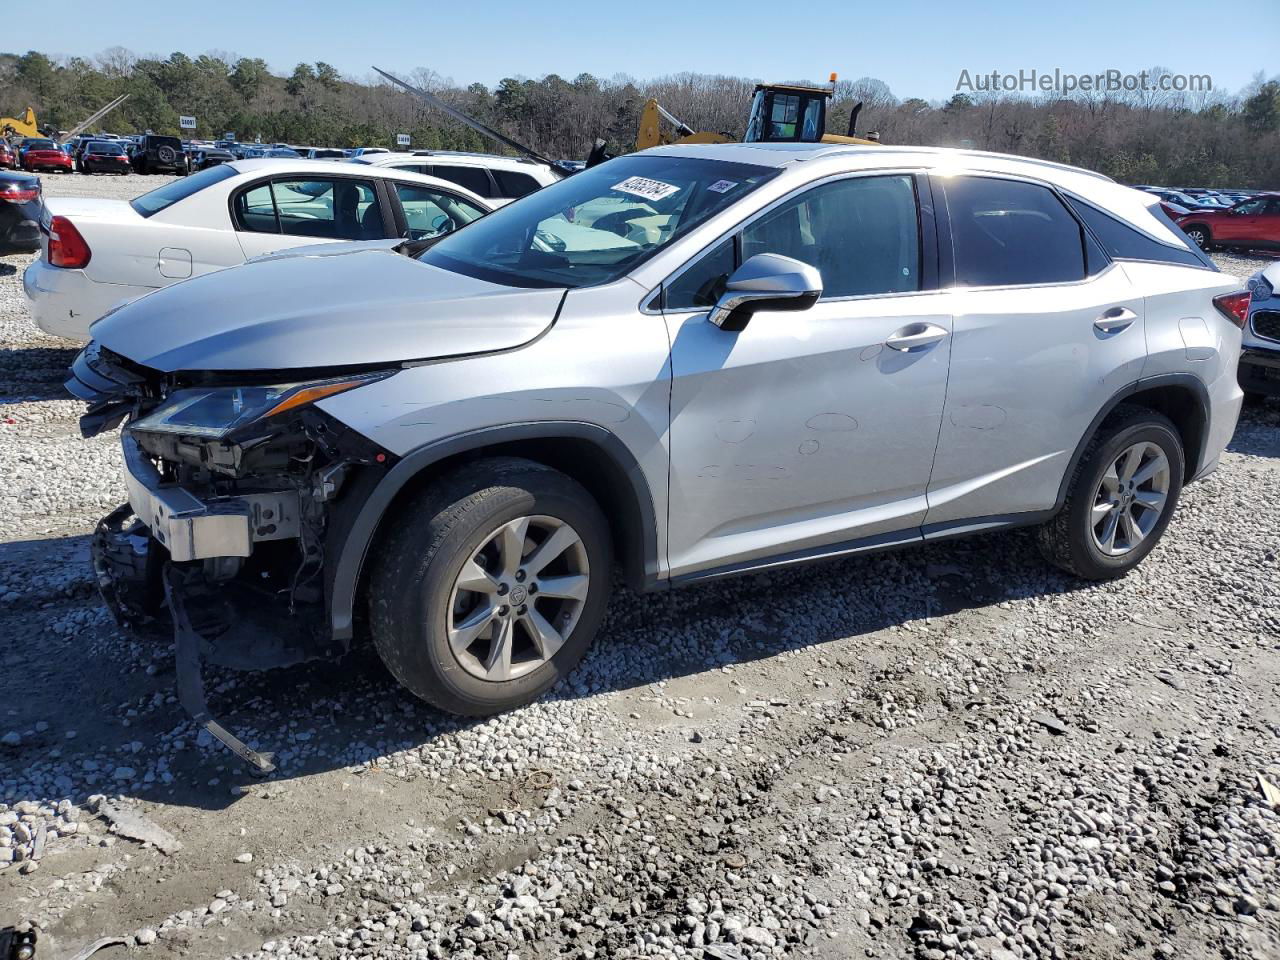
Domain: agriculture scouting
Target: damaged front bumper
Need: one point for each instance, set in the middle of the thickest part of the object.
(191, 528)
(233, 572)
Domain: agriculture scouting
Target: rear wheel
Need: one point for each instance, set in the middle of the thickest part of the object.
(491, 585)
(1200, 236)
(1120, 499)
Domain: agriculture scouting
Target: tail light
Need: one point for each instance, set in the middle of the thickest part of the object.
(1234, 306)
(66, 246)
(16, 194)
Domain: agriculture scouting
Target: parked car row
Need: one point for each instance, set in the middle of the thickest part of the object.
(1247, 219)
(697, 360)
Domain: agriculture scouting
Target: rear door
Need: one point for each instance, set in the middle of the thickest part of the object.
(1047, 329)
(290, 211)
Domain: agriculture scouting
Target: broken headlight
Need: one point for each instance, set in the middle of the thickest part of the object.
(215, 412)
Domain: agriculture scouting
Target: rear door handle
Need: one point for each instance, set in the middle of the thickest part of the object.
(1115, 319)
(915, 336)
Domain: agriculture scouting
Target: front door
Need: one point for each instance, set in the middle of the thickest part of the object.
(807, 431)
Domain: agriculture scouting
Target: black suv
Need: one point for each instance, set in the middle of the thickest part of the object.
(153, 154)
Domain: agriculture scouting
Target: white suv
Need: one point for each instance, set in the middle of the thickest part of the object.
(696, 360)
(496, 178)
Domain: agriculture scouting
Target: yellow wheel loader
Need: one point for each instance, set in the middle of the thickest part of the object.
(20, 127)
(780, 113)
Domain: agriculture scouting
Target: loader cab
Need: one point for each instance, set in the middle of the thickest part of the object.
(787, 113)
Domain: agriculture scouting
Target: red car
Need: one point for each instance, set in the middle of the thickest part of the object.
(1251, 224)
(44, 155)
(7, 158)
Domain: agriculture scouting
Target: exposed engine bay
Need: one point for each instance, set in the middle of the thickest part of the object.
(237, 492)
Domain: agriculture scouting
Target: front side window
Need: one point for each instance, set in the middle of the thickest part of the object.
(475, 179)
(1006, 232)
(166, 196)
(1251, 207)
(862, 234)
(328, 209)
(433, 213)
(598, 225)
(783, 116)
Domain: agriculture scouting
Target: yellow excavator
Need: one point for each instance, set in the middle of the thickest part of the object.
(24, 126)
(780, 113)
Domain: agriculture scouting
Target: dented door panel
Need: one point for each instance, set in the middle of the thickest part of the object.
(802, 430)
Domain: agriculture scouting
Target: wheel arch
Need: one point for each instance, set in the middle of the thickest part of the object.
(588, 453)
(1181, 397)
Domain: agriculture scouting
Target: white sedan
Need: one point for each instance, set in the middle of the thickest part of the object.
(96, 254)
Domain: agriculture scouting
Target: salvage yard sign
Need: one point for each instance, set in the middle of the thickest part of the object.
(402, 139)
(187, 123)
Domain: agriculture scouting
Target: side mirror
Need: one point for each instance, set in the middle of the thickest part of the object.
(768, 281)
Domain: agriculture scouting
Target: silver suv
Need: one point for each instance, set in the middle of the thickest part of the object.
(692, 362)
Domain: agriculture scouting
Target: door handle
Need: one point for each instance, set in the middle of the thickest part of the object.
(914, 336)
(1115, 320)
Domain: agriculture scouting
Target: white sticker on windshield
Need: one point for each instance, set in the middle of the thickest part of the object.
(723, 186)
(646, 188)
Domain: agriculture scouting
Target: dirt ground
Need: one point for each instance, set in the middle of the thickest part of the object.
(949, 752)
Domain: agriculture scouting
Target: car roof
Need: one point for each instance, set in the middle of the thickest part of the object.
(459, 156)
(784, 154)
(807, 161)
(286, 166)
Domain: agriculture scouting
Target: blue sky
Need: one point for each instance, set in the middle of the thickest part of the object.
(918, 49)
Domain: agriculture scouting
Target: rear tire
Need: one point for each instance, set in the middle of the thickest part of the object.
(465, 611)
(1120, 498)
(1200, 236)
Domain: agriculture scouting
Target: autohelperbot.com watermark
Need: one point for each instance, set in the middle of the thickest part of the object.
(1064, 82)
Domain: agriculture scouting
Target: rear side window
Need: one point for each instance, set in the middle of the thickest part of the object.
(513, 184)
(166, 196)
(475, 179)
(1123, 242)
(318, 207)
(1006, 233)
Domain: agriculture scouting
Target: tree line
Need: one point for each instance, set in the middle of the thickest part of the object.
(1145, 136)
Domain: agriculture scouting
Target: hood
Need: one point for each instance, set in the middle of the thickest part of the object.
(363, 308)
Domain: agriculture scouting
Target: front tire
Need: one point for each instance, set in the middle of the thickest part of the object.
(490, 586)
(1120, 498)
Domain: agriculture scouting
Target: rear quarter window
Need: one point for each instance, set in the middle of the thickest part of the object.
(513, 184)
(1123, 242)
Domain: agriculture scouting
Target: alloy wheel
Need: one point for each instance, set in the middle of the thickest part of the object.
(518, 597)
(1130, 498)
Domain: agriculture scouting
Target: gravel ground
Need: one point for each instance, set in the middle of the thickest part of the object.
(947, 753)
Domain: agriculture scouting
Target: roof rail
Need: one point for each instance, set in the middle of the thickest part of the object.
(981, 154)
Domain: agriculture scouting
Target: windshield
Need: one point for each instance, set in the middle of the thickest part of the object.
(180, 189)
(41, 145)
(596, 226)
(112, 148)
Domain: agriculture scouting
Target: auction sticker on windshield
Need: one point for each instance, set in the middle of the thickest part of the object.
(646, 188)
(723, 186)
